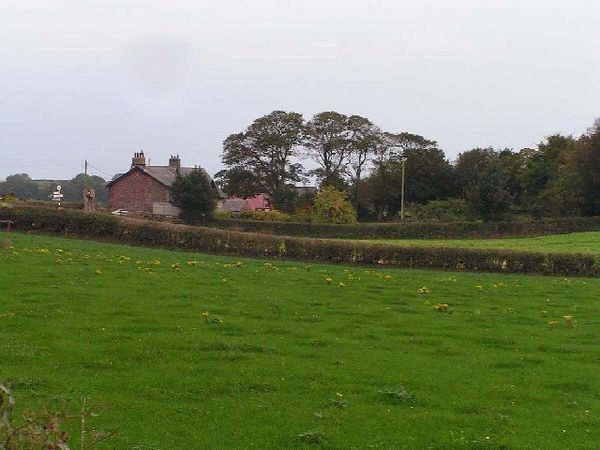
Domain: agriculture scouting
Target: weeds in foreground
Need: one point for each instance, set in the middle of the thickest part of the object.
(45, 429)
(313, 437)
(400, 395)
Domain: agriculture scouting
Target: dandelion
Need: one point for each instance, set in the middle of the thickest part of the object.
(328, 280)
(569, 320)
(341, 285)
(424, 290)
(98, 272)
(205, 314)
(553, 323)
(175, 266)
(441, 307)
(339, 401)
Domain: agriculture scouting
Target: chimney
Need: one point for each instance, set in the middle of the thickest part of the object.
(138, 159)
(175, 162)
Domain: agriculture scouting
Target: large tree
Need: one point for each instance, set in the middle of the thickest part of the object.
(73, 189)
(366, 141)
(22, 186)
(583, 166)
(327, 141)
(428, 175)
(484, 180)
(262, 158)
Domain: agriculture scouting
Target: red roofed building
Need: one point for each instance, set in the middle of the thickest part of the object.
(259, 202)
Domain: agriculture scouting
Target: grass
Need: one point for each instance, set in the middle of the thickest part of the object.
(588, 242)
(289, 358)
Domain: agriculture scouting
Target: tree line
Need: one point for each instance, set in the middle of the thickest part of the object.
(559, 177)
(22, 186)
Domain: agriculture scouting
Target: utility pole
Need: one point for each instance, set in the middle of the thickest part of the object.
(403, 159)
(85, 176)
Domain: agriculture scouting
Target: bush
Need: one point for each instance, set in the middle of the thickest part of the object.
(272, 215)
(194, 195)
(148, 233)
(414, 230)
(452, 210)
(332, 206)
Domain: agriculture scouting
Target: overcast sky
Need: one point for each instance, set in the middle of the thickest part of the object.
(103, 79)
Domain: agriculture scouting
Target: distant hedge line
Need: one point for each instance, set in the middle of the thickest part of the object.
(147, 233)
(411, 230)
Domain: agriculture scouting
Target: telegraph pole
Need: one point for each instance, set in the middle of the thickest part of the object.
(85, 176)
(402, 190)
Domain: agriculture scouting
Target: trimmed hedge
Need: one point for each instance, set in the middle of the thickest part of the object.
(171, 236)
(411, 230)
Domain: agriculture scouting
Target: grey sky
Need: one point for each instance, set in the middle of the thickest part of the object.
(102, 79)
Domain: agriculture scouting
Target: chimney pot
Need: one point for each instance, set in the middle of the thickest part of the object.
(175, 162)
(138, 159)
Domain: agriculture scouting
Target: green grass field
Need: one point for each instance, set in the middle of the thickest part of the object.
(298, 356)
(568, 243)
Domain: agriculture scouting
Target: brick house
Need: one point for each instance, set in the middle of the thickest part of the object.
(145, 189)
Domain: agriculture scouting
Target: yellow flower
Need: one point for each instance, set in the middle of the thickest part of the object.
(553, 323)
(424, 290)
(341, 284)
(338, 395)
(441, 307)
(328, 280)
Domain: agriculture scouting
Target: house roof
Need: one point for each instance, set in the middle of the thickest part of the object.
(166, 175)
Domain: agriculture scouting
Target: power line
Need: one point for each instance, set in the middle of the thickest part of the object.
(99, 170)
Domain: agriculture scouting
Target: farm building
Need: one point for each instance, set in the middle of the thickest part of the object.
(259, 202)
(145, 189)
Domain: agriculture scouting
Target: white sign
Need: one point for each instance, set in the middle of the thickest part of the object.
(58, 188)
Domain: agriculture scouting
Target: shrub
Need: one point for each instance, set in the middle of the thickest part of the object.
(44, 429)
(148, 233)
(7, 201)
(451, 210)
(332, 206)
(414, 230)
(194, 195)
(272, 215)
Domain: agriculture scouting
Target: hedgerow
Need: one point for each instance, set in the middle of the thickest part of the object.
(171, 236)
(412, 230)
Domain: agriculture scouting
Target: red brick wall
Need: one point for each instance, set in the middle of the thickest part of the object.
(136, 192)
